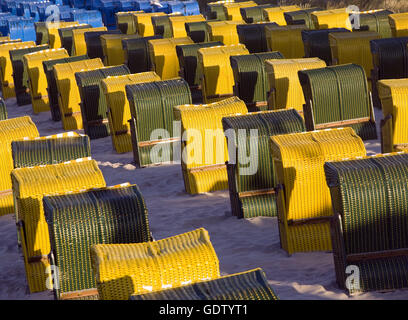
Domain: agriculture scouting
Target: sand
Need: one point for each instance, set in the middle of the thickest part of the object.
(240, 244)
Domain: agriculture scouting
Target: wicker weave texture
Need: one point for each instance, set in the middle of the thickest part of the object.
(287, 40)
(277, 14)
(399, 24)
(125, 269)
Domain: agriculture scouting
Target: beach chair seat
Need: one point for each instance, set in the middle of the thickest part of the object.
(253, 36)
(68, 92)
(254, 14)
(217, 81)
(353, 47)
(11, 129)
(393, 95)
(163, 55)
(136, 54)
(37, 80)
(251, 79)
(399, 24)
(66, 36)
(20, 74)
(338, 96)
(190, 69)
(29, 187)
(93, 102)
(369, 223)
(198, 31)
(151, 107)
(52, 90)
(94, 48)
(285, 91)
(304, 204)
(252, 179)
(377, 21)
(78, 40)
(277, 14)
(177, 24)
(287, 40)
(125, 22)
(317, 43)
(232, 10)
(113, 53)
(249, 285)
(77, 221)
(119, 115)
(203, 162)
(390, 59)
(334, 18)
(224, 31)
(58, 148)
(151, 266)
(302, 17)
(6, 69)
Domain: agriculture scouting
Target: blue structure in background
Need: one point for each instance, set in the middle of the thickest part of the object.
(18, 16)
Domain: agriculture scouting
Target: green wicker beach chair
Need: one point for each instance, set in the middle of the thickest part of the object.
(377, 21)
(66, 35)
(20, 74)
(93, 102)
(255, 14)
(190, 69)
(253, 194)
(249, 285)
(50, 149)
(370, 226)
(94, 44)
(251, 80)
(41, 33)
(198, 31)
(302, 17)
(151, 106)
(253, 36)
(3, 110)
(390, 58)
(78, 221)
(338, 96)
(52, 84)
(137, 56)
(317, 44)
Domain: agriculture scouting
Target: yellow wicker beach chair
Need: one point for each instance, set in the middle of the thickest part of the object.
(54, 39)
(203, 162)
(78, 40)
(217, 81)
(224, 31)
(304, 203)
(177, 24)
(68, 92)
(118, 106)
(164, 56)
(6, 69)
(125, 269)
(353, 47)
(143, 23)
(29, 186)
(232, 10)
(11, 129)
(277, 14)
(125, 21)
(328, 19)
(215, 10)
(37, 81)
(287, 40)
(285, 89)
(394, 101)
(113, 52)
(399, 24)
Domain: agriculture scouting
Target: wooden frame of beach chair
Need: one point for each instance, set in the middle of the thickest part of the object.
(304, 203)
(369, 223)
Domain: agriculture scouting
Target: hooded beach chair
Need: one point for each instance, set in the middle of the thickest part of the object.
(233, 10)
(125, 21)
(287, 40)
(302, 17)
(54, 39)
(143, 23)
(78, 40)
(66, 35)
(224, 31)
(94, 43)
(253, 36)
(162, 27)
(376, 21)
(177, 24)
(277, 14)
(113, 53)
(198, 31)
(254, 14)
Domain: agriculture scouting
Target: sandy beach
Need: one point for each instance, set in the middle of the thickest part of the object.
(239, 244)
